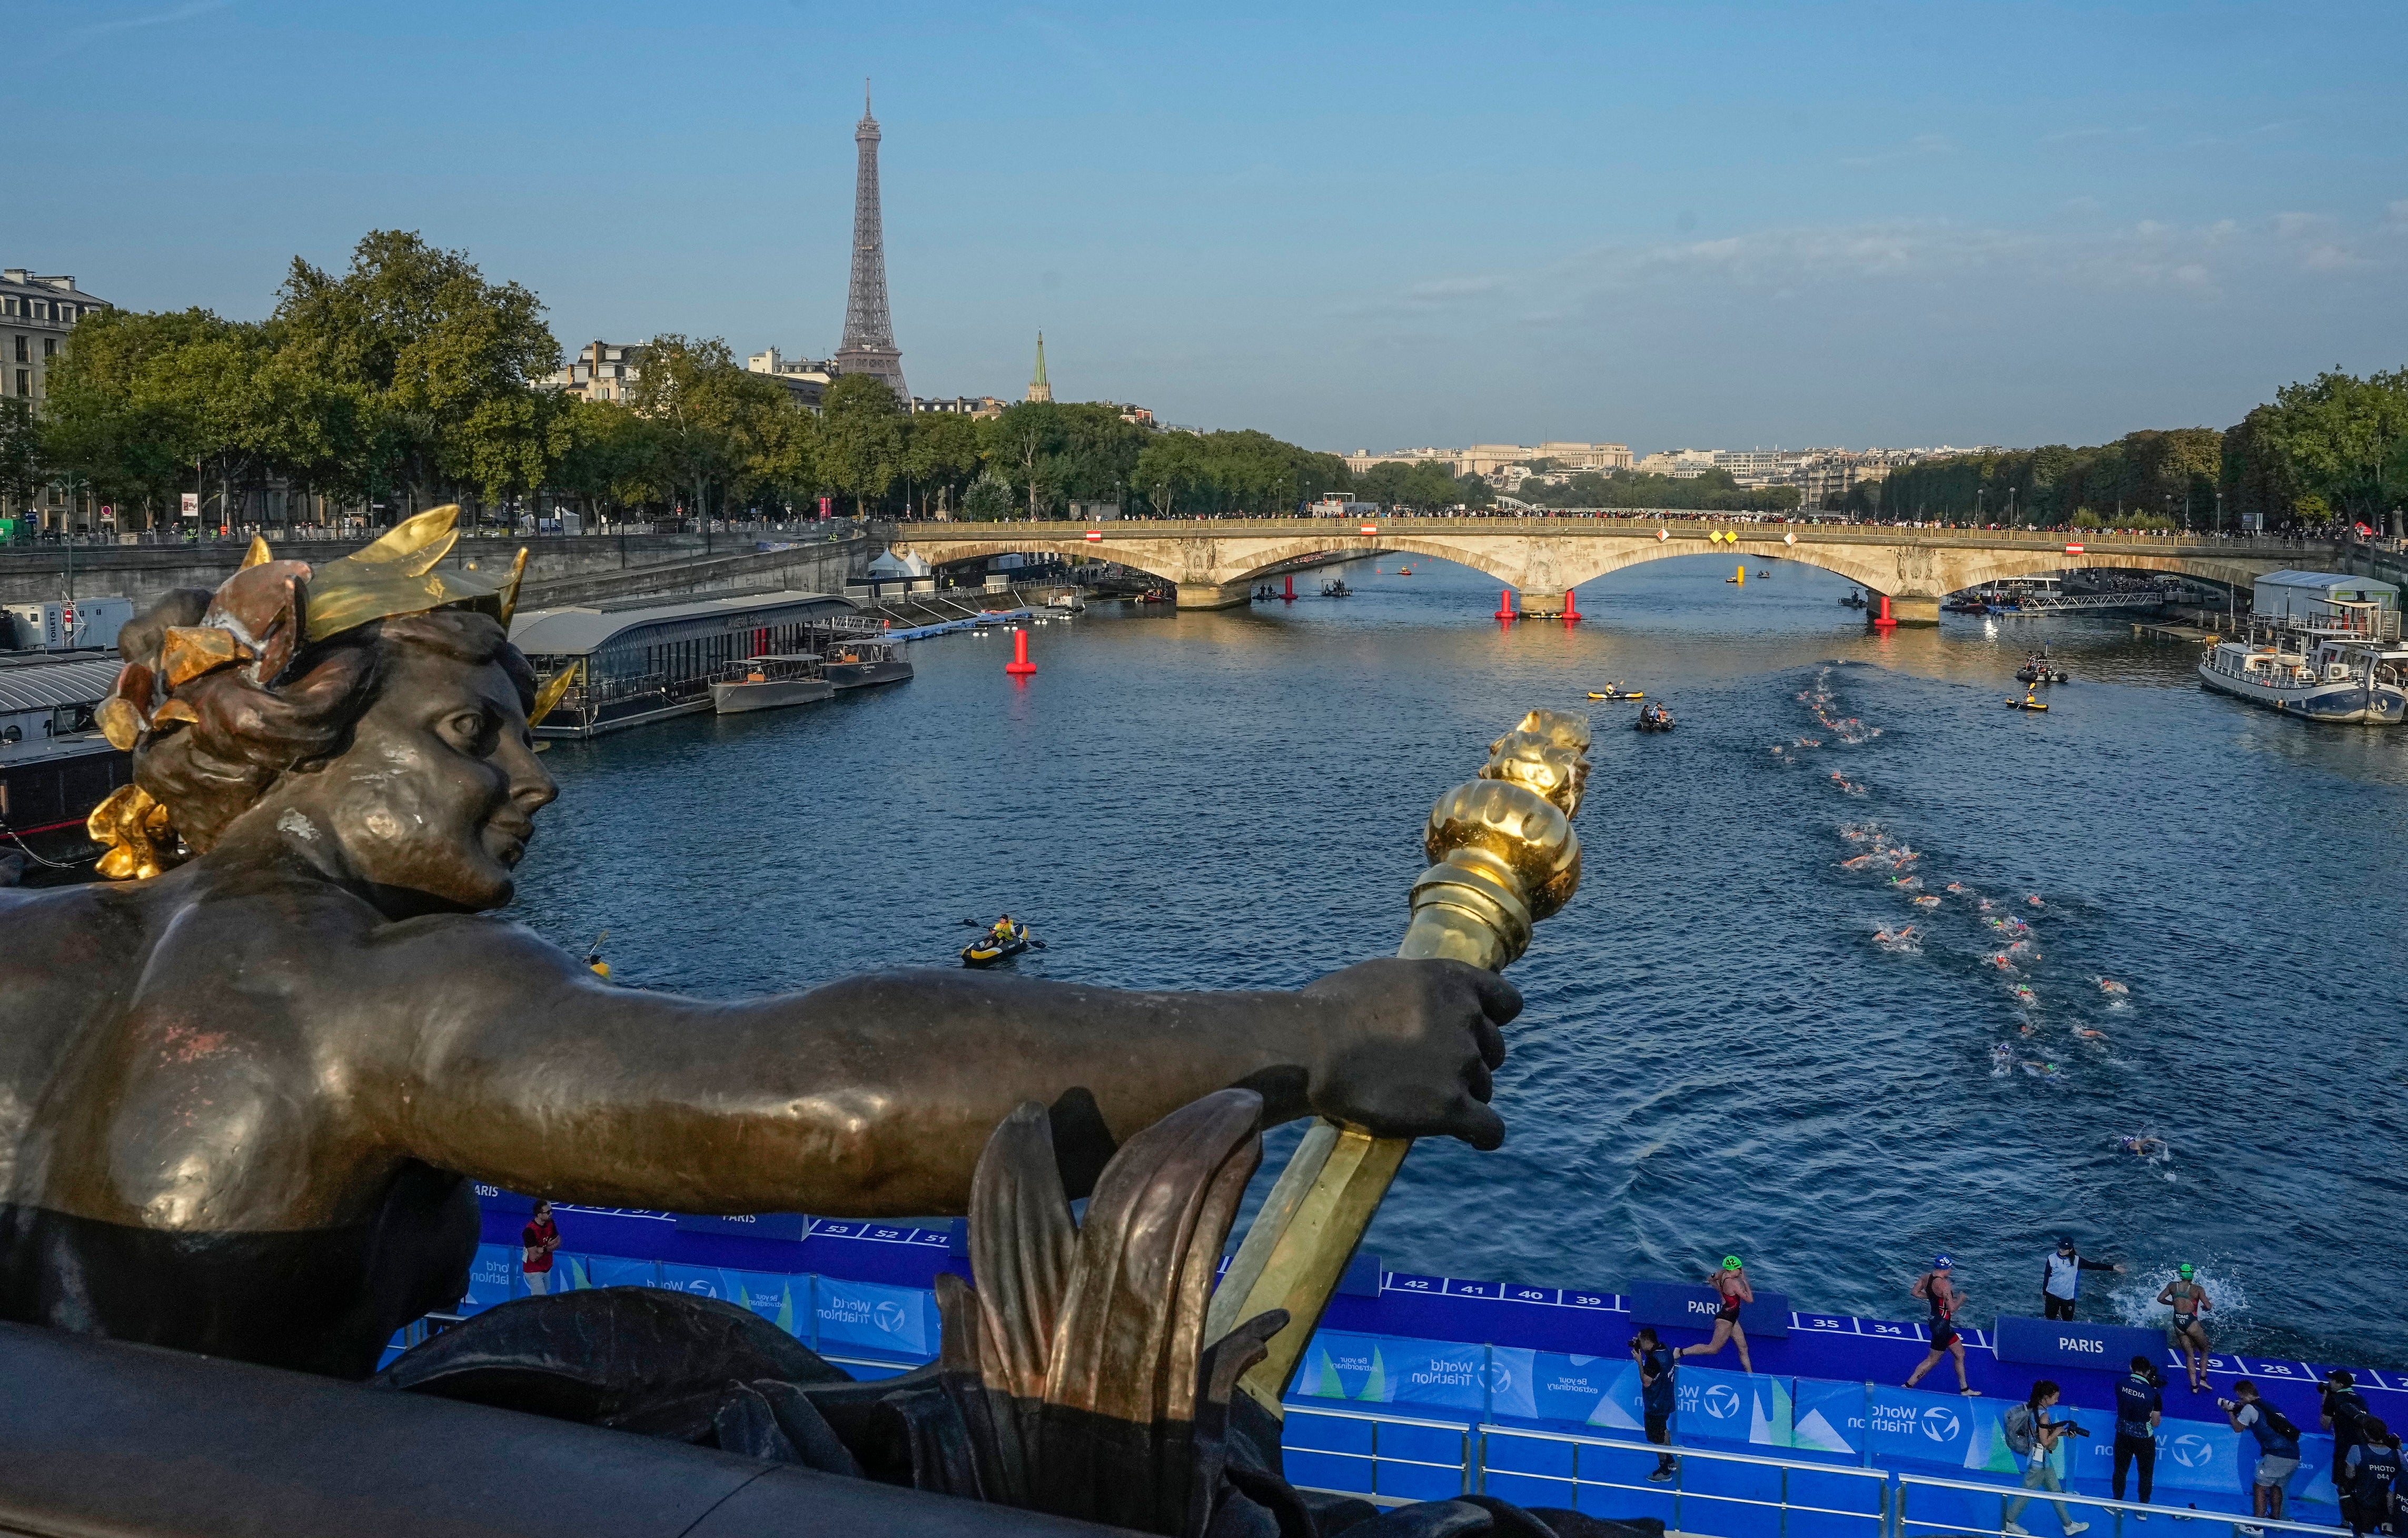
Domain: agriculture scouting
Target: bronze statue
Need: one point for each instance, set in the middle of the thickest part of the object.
(243, 1094)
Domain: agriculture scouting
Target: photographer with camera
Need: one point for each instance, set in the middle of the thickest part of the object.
(2034, 1437)
(2372, 1498)
(2140, 1405)
(2278, 1449)
(1654, 1360)
(2344, 1413)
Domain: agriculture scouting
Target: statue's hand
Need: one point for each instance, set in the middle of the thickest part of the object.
(1407, 1047)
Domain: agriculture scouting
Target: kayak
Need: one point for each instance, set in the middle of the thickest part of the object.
(986, 950)
(1616, 694)
(2027, 704)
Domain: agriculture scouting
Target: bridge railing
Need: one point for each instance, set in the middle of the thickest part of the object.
(1749, 532)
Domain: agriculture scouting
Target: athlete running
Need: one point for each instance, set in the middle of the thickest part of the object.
(2189, 1300)
(1935, 1288)
(1730, 1284)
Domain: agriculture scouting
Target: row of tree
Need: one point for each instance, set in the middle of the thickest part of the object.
(409, 379)
(1712, 491)
(2332, 449)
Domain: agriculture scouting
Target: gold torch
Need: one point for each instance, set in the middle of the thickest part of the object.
(1503, 856)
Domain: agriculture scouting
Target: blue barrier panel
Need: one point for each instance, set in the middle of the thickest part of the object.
(1527, 1490)
(1394, 1370)
(493, 1277)
(1827, 1416)
(604, 1270)
(1743, 1407)
(788, 1225)
(866, 1316)
(1860, 1499)
(1623, 1505)
(1694, 1308)
(1404, 1451)
(1413, 1481)
(1601, 1392)
(1704, 1479)
(493, 1198)
(1328, 1470)
(2191, 1454)
(785, 1301)
(1530, 1455)
(1951, 1512)
(2063, 1343)
(1910, 1427)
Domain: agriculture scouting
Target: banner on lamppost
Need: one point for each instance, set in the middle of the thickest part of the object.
(191, 504)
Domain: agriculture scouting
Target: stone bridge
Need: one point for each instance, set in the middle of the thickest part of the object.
(1216, 563)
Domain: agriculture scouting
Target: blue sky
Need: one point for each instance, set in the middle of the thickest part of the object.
(1353, 226)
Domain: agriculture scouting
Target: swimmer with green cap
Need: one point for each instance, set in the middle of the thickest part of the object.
(1730, 1286)
(2188, 1300)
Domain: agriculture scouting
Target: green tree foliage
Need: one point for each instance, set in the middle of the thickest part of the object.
(1714, 491)
(2342, 439)
(987, 500)
(863, 432)
(2144, 479)
(441, 367)
(24, 457)
(942, 459)
(1052, 453)
(719, 435)
(1235, 473)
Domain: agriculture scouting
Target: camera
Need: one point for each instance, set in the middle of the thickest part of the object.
(2070, 1428)
(2228, 1407)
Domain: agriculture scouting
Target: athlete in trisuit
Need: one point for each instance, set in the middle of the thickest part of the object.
(2188, 1300)
(1730, 1283)
(1936, 1288)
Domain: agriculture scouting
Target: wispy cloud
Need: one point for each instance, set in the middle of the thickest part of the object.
(2084, 135)
(1921, 146)
(91, 32)
(2192, 261)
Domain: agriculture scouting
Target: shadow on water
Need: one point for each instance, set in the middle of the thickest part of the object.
(1717, 1054)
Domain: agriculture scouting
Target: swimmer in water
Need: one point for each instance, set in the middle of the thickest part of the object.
(1955, 886)
(2033, 899)
(2002, 1058)
(2105, 986)
(2043, 1071)
(2146, 1148)
(2002, 962)
(1927, 902)
(2086, 1034)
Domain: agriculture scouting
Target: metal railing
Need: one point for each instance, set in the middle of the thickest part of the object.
(1877, 1520)
(1906, 1525)
(1887, 1513)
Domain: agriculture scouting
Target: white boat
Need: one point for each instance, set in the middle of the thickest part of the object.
(766, 682)
(2319, 675)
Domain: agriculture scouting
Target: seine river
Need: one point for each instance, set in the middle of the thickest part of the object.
(1718, 1052)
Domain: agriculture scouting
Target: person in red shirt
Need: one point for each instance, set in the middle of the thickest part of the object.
(537, 1241)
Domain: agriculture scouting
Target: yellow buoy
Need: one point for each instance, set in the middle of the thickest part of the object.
(1741, 578)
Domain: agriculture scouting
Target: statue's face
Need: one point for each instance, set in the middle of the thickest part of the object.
(436, 799)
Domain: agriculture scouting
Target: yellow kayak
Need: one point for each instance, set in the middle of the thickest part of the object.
(1635, 693)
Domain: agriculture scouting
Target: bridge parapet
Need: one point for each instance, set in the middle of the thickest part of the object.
(1213, 560)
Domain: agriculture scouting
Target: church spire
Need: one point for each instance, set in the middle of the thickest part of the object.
(1038, 388)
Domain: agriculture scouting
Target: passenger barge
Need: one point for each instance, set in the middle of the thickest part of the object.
(54, 764)
(2321, 645)
(643, 661)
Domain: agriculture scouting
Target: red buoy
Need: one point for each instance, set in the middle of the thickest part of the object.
(1020, 665)
(1883, 620)
(1571, 607)
(1289, 596)
(1505, 609)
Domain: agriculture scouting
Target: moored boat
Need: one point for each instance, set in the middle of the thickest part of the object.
(2321, 677)
(766, 682)
(855, 663)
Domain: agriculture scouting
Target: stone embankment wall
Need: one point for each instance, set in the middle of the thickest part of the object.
(578, 568)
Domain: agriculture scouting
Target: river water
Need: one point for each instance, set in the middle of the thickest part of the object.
(1718, 1053)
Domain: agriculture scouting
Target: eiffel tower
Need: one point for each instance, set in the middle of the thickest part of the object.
(868, 345)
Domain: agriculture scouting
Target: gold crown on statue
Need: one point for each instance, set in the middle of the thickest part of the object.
(262, 619)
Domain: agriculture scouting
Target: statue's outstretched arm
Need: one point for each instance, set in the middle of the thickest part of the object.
(873, 1096)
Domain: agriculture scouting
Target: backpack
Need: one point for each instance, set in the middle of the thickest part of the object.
(2279, 1421)
(2021, 1429)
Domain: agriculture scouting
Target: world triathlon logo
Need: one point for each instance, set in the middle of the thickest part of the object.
(1720, 1401)
(1498, 1376)
(1940, 1423)
(890, 1317)
(2190, 1451)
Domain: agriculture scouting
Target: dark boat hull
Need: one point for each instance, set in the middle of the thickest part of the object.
(860, 675)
